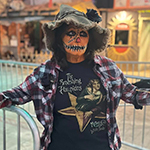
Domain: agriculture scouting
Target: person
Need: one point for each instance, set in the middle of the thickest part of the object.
(55, 86)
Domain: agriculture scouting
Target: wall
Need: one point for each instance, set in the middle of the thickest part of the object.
(38, 2)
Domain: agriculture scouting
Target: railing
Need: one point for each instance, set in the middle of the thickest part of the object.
(141, 69)
(134, 130)
(134, 124)
(28, 56)
(13, 73)
(31, 123)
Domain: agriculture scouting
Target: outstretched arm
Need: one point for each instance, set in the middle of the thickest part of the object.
(22, 93)
(143, 91)
(131, 93)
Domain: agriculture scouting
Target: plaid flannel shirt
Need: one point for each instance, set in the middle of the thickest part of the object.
(41, 85)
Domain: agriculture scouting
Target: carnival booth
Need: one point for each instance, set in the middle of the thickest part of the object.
(129, 23)
(124, 31)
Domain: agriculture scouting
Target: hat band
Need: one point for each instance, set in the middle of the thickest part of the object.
(68, 13)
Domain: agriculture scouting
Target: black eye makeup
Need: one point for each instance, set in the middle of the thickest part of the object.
(83, 34)
(71, 33)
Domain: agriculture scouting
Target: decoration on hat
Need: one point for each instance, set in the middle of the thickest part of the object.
(93, 15)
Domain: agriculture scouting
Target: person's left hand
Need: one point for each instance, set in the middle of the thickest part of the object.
(143, 83)
(136, 105)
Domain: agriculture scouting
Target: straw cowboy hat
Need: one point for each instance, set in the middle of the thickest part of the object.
(89, 21)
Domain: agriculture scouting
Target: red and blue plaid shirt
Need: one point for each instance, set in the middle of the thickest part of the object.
(41, 85)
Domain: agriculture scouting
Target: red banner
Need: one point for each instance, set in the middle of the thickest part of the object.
(50, 3)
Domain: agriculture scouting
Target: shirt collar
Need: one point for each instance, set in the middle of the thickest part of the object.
(98, 60)
(58, 67)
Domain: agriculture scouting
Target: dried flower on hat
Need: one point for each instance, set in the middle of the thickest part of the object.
(93, 15)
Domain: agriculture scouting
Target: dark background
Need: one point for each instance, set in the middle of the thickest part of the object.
(103, 3)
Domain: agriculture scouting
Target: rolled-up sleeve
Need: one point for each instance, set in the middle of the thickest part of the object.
(24, 92)
(143, 96)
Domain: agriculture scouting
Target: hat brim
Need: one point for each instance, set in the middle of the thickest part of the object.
(98, 36)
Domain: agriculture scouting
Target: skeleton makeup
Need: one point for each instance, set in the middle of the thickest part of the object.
(75, 42)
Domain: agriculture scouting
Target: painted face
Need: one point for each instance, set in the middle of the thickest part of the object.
(75, 41)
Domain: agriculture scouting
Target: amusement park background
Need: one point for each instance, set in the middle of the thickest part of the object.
(22, 49)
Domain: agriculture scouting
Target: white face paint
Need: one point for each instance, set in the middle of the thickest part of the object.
(75, 41)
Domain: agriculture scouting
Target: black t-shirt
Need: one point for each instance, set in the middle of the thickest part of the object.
(79, 110)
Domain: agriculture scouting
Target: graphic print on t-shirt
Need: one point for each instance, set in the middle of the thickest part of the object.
(89, 103)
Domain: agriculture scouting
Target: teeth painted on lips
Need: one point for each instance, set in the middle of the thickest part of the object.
(75, 48)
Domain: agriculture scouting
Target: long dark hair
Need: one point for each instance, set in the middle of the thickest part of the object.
(59, 53)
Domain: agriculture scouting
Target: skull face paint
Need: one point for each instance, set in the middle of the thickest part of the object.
(75, 41)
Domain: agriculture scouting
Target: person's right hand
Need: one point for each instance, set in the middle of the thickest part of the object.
(5, 103)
